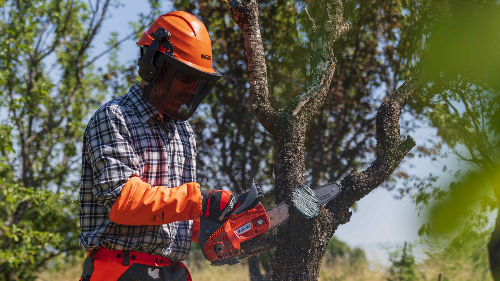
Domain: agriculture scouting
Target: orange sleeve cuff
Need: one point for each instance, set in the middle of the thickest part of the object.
(141, 204)
(196, 230)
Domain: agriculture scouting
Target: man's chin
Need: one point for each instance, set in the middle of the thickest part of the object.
(174, 108)
(169, 108)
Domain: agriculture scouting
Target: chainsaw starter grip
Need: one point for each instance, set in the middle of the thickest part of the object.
(305, 201)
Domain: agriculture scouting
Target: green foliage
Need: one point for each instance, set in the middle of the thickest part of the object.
(461, 100)
(48, 87)
(338, 248)
(403, 265)
(464, 257)
(465, 40)
(337, 251)
(466, 206)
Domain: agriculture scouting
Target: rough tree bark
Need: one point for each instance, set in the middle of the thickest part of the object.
(301, 242)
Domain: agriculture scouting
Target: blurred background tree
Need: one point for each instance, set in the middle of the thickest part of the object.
(403, 265)
(462, 51)
(48, 88)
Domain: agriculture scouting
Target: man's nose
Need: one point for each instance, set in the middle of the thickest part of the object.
(191, 88)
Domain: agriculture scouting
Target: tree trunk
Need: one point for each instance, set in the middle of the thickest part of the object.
(301, 242)
(253, 269)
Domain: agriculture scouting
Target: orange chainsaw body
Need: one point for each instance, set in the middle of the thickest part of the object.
(225, 241)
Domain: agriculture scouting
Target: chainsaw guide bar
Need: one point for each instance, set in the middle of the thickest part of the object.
(325, 193)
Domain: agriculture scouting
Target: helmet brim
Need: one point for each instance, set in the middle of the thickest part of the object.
(184, 67)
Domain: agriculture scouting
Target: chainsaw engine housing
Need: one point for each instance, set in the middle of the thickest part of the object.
(221, 241)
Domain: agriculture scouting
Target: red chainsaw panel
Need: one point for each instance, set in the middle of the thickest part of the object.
(225, 241)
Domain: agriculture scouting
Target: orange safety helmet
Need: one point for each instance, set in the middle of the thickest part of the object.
(182, 41)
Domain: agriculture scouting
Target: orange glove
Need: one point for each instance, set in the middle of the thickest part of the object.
(141, 204)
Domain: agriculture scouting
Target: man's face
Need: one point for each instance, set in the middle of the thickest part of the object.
(180, 92)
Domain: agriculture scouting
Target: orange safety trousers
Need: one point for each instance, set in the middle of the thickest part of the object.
(110, 265)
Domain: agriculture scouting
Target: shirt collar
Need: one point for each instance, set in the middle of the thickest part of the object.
(146, 110)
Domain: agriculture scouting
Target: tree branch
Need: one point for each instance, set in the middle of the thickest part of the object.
(113, 47)
(391, 149)
(323, 64)
(92, 29)
(59, 35)
(246, 14)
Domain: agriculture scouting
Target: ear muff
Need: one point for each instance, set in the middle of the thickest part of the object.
(152, 59)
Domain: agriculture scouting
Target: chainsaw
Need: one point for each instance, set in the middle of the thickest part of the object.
(249, 229)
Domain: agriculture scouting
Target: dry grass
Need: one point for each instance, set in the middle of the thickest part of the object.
(341, 270)
(338, 270)
(201, 270)
(238, 272)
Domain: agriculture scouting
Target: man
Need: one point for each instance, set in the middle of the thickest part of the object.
(138, 195)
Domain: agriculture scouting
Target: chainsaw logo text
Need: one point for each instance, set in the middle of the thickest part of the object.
(206, 57)
(244, 228)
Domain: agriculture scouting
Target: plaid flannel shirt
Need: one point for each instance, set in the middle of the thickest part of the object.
(129, 136)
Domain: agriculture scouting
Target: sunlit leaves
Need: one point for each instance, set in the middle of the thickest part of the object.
(468, 197)
(466, 39)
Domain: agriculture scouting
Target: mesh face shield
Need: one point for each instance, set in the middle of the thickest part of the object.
(159, 53)
(203, 88)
